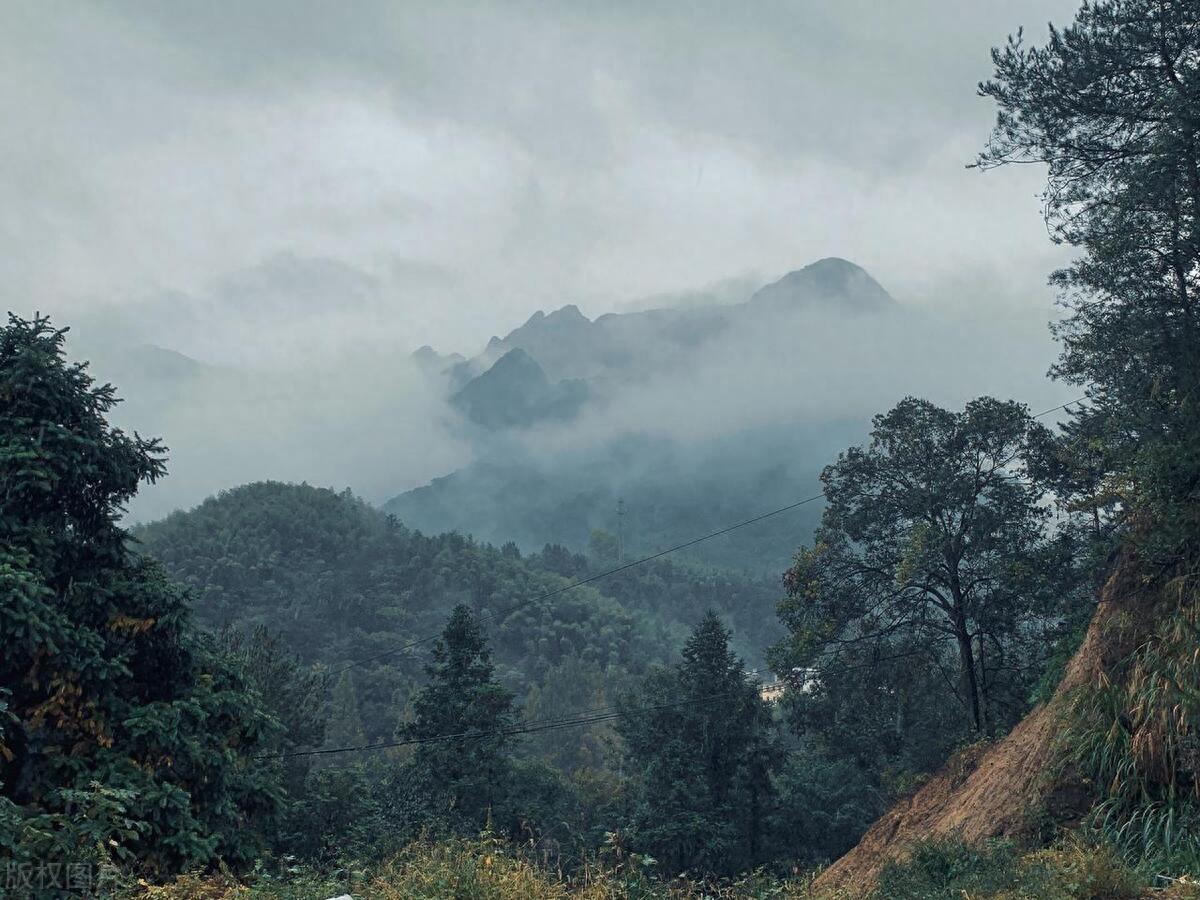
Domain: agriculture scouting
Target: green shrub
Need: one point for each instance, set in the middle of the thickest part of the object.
(952, 870)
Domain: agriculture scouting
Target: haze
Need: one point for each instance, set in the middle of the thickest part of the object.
(288, 190)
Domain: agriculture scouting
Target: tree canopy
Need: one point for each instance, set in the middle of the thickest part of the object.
(928, 540)
(1111, 104)
(106, 687)
(705, 751)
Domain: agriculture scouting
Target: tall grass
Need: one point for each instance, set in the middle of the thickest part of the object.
(1135, 734)
(488, 869)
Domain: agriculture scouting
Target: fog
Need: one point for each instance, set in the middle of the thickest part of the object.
(819, 367)
(296, 196)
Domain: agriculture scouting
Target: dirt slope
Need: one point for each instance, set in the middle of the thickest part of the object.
(999, 791)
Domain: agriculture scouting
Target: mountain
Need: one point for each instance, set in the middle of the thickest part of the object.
(569, 345)
(832, 282)
(669, 492)
(516, 392)
(627, 383)
(550, 367)
(432, 362)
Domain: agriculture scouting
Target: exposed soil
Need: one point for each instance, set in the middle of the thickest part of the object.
(1000, 790)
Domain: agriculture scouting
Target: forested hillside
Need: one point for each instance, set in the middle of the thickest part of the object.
(667, 494)
(336, 581)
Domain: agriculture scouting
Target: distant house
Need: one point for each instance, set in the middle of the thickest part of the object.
(802, 680)
(771, 693)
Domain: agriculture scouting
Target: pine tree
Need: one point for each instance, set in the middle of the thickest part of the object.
(1110, 105)
(107, 689)
(468, 775)
(705, 752)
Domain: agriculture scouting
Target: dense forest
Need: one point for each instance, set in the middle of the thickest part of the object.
(287, 692)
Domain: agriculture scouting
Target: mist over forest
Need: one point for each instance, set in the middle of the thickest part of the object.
(709, 409)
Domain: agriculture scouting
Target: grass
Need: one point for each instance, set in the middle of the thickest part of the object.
(1075, 870)
(488, 869)
(1135, 735)
(482, 869)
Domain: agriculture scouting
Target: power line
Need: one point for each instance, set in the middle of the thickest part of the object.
(595, 715)
(582, 581)
(620, 568)
(536, 726)
(1046, 412)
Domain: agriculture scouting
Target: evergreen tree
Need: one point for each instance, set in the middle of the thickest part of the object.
(566, 689)
(1111, 105)
(705, 753)
(467, 776)
(107, 689)
(294, 695)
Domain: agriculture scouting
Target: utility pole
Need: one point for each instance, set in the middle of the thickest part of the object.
(620, 531)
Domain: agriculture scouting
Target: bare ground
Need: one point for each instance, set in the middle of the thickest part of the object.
(998, 790)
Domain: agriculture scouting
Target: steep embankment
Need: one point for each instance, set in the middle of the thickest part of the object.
(999, 791)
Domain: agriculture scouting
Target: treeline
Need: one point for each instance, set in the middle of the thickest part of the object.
(339, 583)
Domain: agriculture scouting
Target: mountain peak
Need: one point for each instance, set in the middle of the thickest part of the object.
(425, 353)
(516, 392)
(569, 313)
(517, 360)
(831, 281)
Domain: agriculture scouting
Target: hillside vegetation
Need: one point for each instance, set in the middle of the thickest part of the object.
(338, 581)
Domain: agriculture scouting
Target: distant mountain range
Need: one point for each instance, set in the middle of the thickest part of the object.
(561, 418)
(547, 368)
(560, 366)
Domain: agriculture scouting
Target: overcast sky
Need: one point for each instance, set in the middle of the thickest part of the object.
(462, 164)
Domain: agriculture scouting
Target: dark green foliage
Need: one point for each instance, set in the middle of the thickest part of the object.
(881, 716)
(295, 697)
(112, 703)
(1134, 735)
(930, 604)
(949, 869)
(825, 805)
(1111, 105)
(359, 809)
(572, 688)
(932, 548)
(345, 728)
(466, 778)
(704, 755)
(676, 594)
(336, 580)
